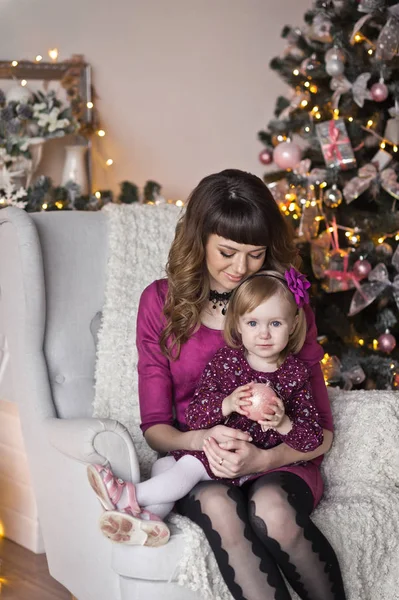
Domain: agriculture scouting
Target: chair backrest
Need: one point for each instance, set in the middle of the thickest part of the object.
(54, 280)
(74, 250)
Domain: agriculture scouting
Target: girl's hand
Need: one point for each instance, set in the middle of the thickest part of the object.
(220, 433)
(238, 401)
(278, 420)
(234, 458)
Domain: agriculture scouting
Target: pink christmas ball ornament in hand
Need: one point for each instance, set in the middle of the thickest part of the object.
(263, 401)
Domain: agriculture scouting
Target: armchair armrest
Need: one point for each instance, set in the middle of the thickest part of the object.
(96, 441)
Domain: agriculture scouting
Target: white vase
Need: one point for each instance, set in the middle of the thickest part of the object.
(75, 167)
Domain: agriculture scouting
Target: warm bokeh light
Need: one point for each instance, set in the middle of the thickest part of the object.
(53, 53)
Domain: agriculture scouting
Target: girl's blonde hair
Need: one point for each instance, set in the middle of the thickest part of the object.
(232, 204)
(250, 294)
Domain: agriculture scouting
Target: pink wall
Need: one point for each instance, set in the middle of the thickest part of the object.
(183, 85)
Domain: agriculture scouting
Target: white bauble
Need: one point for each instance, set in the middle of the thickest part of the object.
(335, 67)
(19, 93)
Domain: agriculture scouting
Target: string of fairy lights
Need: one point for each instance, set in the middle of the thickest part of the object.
(53, 54)
(290, 207)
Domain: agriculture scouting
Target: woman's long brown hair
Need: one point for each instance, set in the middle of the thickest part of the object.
(232, 204)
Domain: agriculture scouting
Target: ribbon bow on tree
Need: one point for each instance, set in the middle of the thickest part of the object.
(387, 46)
(341, 85)
(356, 186)
(333, 372)
(312, 175)
(378, 281)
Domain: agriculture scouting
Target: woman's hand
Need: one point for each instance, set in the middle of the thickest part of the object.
(238, 401)
(235, 458)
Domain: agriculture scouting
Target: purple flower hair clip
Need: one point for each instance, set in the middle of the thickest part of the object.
(297, 284)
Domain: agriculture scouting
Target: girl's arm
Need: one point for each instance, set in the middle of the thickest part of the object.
(205, 409)
(299, 428)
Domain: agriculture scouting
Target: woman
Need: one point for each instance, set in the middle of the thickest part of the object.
(232, 228)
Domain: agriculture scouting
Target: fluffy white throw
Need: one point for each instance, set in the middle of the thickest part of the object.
(359, 513)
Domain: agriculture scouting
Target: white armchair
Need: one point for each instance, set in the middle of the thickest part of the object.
(52, 275)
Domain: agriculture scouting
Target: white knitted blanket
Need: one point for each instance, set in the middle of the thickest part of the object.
(359, 513)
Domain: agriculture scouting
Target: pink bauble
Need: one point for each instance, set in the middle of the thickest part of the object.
(386, 343)
(361, 268)
(379, 92)
(287, 155)
(263, 401)
(266, 156)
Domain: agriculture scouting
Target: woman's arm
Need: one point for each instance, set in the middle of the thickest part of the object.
(156, 384)
(283, 455)
(242, 458)
(165, 438)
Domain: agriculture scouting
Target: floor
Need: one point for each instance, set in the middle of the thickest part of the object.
(24, 575)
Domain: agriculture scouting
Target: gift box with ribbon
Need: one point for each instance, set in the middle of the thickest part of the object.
(338, 277)
(335, 144)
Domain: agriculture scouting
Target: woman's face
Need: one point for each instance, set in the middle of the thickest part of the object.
(228, 263)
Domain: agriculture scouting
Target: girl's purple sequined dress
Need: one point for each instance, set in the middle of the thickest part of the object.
(227, 371)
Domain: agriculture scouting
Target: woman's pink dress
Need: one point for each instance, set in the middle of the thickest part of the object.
(167, 387)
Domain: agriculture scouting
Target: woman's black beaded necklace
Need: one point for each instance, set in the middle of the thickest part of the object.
(219, 298)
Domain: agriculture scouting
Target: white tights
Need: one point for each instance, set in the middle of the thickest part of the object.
(170, 480)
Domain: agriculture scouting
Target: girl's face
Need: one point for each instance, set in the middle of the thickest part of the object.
(228, 263)
(265, 331)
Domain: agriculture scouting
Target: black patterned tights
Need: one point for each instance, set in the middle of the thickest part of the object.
(262, 530)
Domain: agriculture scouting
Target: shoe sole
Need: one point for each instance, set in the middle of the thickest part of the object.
(126, 529)
(99, 488)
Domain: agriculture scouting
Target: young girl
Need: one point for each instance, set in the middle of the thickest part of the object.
(265, 326)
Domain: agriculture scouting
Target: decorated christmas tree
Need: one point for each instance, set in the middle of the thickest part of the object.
(333, 143)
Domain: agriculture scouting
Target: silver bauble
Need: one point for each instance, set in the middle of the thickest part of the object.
(335, 68)
(335, 53)
(332, 197)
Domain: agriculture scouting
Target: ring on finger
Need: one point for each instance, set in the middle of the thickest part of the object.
(221, 461)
